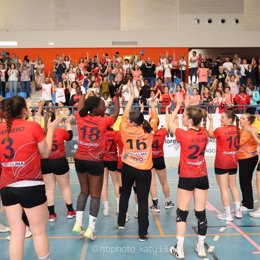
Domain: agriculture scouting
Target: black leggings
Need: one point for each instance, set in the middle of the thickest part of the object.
(246, 170)
(142, 178)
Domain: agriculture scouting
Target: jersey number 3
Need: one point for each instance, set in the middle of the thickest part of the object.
(10, 151)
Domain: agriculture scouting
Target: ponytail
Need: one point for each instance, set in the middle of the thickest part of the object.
(204, 115)
(147, 127)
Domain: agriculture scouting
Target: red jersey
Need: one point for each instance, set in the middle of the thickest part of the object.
(91, 134)
(19, 155)
(193, 144)
(120, 146)
(227, 145)
(110, 154)
(58, 149)
(166, 100)
(158, 142)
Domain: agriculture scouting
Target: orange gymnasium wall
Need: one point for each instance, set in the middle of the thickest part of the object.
(49, 54)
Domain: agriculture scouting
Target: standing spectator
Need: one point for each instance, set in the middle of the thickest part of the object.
(148, 71)
(182, 66)
(194, 63)
(26, 80)
(13, 79)
(227, 65)
(203, 74)
(60, 68)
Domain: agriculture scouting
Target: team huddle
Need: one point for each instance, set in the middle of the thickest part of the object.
(33, 159)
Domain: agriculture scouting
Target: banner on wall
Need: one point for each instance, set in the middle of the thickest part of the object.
(171, 145)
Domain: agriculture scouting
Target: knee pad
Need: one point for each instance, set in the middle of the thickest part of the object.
(181, 215)
(202, 222)
(135, 190)
(120, 189)
(94, 206)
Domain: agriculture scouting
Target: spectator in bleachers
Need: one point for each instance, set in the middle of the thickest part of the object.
(13, 79)
(25, 79)
(203, 74)
(207, 100)
(242, 99)
(228, 100)
(182, 66)
(148, 71)
(194, 63)
(233, 82)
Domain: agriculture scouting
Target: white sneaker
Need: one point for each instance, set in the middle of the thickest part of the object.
(28, 232)
(255, 214)
(225, 216)
(200, 249)
(238, 213)
(4, 229)
(89, 233)
(177, 252)
(244, 209)
(106, 211)
(127, 217)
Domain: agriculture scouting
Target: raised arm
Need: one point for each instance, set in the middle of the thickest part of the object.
(210, 130)
(116, 105)
(130, 101)
(82, 101)
(171, 119)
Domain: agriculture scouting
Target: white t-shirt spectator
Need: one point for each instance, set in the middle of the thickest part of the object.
(46, 92)
(73, 91)
(108, 102)
(60, 95)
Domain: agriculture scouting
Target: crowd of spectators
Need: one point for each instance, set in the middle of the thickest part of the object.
(214, 84)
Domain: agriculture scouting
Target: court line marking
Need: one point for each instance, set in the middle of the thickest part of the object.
(209, 206)
(150, 236)
(84, 250)
(216, 238)
(157, 222)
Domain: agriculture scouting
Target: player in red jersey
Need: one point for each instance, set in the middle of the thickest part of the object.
(227, 137)
(92, 126)
(22, 143)
(193, 179)
(56, 169)
(158, 159)
(110, 166)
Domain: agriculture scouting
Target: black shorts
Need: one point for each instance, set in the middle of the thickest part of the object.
(219, 171)
(90, 167)
(111, 165)
(27, 197)
(57, 166)
(159, 163)
(191, 184)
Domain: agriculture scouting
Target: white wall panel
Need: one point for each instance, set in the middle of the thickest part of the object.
(59, 15)
(148, 15)
(252, 15)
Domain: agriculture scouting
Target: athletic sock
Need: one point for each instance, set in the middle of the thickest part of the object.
(92, 222)
(201, 239)
(237, 205)
(51, 210)
(69, 207)
(79, 216)
(180, 242)
(227, 210)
